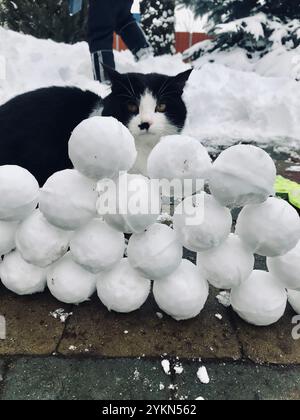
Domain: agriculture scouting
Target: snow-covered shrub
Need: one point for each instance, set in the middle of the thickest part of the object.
(158, 21)
(258, 26)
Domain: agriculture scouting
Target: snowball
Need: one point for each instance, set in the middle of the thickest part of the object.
(287, 268)
(101, 147)
(259, 300)
(7, 237)
(20, 277)
(228, 265)
(68, 199)
(294, 300)
(19, 192)
(39, 242)
(271, 229)
(133, 204)
(201, 223)
(122, 289)
(183, 294)
(69, 282)
(242, 174)
(97, 246)
(155, 253)
(181, 158)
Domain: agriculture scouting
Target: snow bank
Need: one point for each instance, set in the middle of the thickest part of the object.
(226, 105)
(228, 100)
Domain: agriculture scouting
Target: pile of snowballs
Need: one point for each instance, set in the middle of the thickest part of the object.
(59, 236)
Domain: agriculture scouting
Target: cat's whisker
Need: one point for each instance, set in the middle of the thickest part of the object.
(163, 87)
(134, 94)
(128, 90)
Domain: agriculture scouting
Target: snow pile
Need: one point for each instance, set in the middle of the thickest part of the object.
(227, 105)
(232, 99)
(71, 215)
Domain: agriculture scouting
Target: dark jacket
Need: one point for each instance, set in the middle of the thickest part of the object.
(75, 6)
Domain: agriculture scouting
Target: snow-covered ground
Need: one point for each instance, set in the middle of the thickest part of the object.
(228, 100)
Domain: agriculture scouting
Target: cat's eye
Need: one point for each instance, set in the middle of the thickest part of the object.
(161, 108)
(133, 108)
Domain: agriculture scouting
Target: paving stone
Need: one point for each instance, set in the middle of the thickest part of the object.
(235, 381)
(94, 330)
(2, 364)
(60, 379)
(30, 328)
(273, 344)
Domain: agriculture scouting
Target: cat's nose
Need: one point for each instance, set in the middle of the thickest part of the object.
(145, 126)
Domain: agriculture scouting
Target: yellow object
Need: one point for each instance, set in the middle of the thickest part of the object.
(291, 189)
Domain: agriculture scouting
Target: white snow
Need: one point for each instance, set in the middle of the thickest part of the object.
(242, 174)
(61, 314)
(228, 265)
(181, 158)
(69, 282)
(270, 229)
(286, 268)
(39, 242)
(183, 294)
(166, 366)
(293, 169)
(230, 100)
(101, 147)
(7, 237)
(129, 204)
(202, 375)
(260, 300)
(294, 300)
(224, 299)
(178, 368)
(97, 247)
(68, 199)
(155, 253)
(254, 26)
(201, 223)
(122, 289)
(20, 277)
(19, 192)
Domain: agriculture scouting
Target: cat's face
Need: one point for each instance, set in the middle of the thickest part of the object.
(151, 106)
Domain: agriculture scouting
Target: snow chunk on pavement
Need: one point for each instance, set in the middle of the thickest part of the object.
(203, 375)
(166, 366)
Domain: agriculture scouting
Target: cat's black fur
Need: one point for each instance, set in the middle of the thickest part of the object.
(35, 127)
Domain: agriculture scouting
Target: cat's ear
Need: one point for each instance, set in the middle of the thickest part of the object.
(181, 79)
(113, 75)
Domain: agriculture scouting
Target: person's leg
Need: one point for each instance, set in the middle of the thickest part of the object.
(130, 31)
(102, 22)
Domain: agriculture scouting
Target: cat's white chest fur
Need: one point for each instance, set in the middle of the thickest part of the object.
(145, 141)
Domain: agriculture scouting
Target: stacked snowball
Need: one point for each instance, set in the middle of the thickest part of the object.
(66, 237)
(243, 176)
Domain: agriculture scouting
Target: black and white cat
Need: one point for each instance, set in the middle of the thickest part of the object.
(35, 127)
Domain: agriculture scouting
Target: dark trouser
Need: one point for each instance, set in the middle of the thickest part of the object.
(105, 18)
